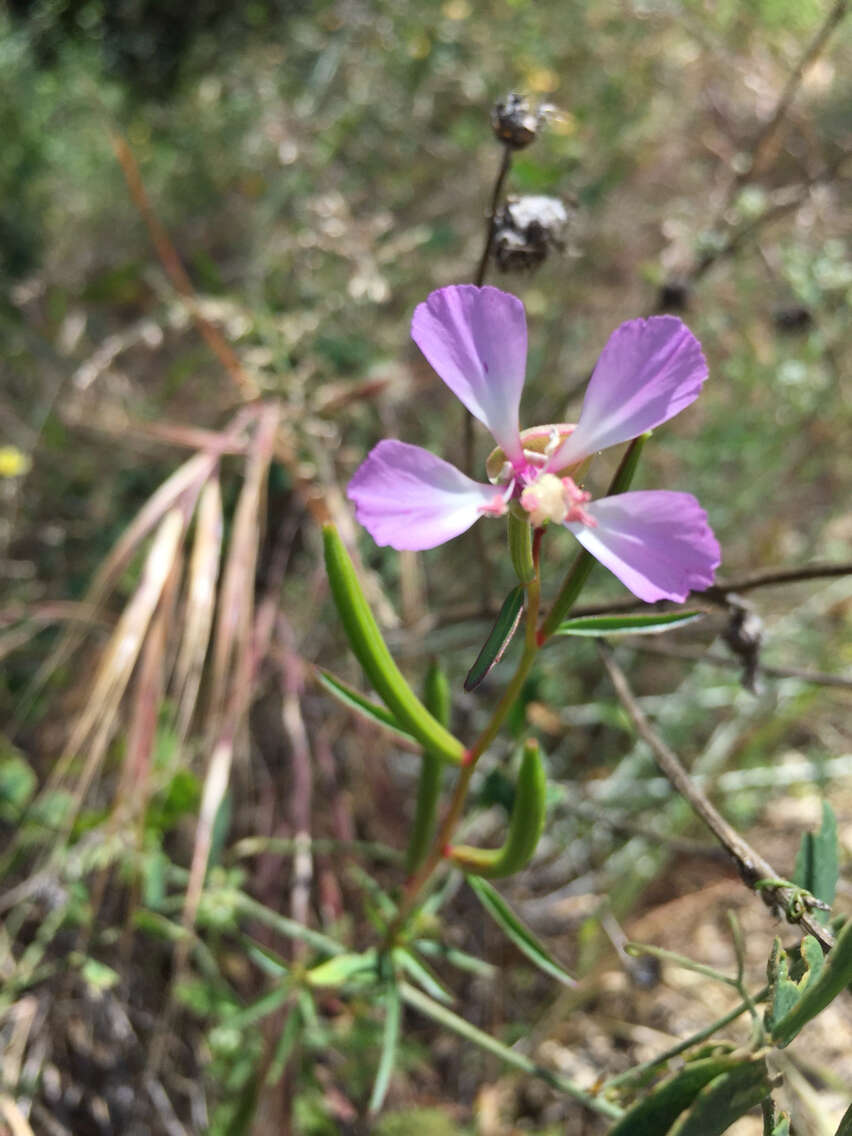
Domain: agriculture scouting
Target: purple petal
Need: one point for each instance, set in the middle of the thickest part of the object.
(657, 543)
(476, 340)
(649, 371)
(408, 498)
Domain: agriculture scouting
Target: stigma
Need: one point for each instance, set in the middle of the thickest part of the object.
(555, 499)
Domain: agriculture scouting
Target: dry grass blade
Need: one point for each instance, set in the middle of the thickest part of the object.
(200, 604)
(233, 652)
(21, 625)
(184, 484)
(150, 681)
(94, 727)
(236, 597)
(15, 1119)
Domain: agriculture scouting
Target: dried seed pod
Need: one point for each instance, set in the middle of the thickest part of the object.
(514, 122)
(526, 229)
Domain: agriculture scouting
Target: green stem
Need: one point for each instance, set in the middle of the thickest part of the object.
(436, 697)
(498, 717)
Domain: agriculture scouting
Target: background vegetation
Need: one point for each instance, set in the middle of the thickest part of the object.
(318, 169)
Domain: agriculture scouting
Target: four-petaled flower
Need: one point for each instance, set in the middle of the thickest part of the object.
(658, 543)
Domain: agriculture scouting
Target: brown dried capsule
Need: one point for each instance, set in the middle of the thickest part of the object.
(514, 122)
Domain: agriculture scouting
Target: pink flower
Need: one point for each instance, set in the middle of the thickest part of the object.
(657, 543)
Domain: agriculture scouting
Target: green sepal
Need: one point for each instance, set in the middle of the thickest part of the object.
(525, 825)
(436, 695)
(372, 653)
(520, 546)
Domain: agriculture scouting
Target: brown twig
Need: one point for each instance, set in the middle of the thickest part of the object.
(175, 270)
(502, 174)
(751, 865)
(717, 593)
(791, 88)
(818, 678)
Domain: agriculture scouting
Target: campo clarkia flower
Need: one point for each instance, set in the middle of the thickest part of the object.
(658, 543)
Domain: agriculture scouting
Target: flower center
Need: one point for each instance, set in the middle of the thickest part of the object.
(556, 499)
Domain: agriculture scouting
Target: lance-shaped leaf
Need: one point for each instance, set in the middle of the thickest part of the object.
(655, 1113)
(390, 1043)
(372, 653)
(602, 625)
(725, 1099)
(351, 698)
(499, 638)
(520, 546)
(436, 695)
(518, 932)
(525, 824)
(816, 864)
(821, 984)
(346, 970)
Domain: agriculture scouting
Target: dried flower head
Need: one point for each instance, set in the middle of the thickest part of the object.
(526, 229)
(514, 122)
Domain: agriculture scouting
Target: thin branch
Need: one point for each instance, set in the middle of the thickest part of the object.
(718, 593)
(750, 864)
(776, 119)
(502, 174)
(175, 270)
(818, 678)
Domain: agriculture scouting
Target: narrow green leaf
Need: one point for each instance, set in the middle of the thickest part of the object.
(390, 1042)
(436, 696)
(655, 1113)
(816, 863)
(420, 973)
(834, 975)
(520, 546)
(601, 625)
(259, 1009)
(281, 923)
(457, 958)
(514, 929)
(284, 1046)
(525, 824)
(725, 1099)
(343, 970)
(450, 1020)
(782, 1127)
(352, 699)
(372, 653)
(499, 638)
